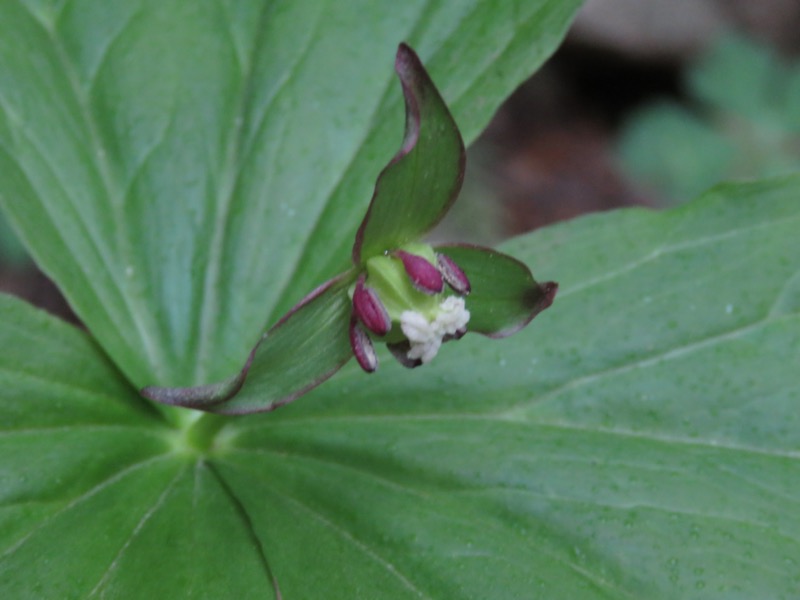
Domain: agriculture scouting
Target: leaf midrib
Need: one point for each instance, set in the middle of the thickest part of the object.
(209, 319)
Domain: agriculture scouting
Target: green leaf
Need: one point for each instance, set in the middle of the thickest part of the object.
(422, 181)
(187, 170)
(99, 495)
(505, 296)
(639, 440)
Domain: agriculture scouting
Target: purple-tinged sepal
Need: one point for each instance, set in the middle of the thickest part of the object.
(369, 309)
(453, 275)
(303, 349)
(418, 186)
(425, 277)
(546, 293)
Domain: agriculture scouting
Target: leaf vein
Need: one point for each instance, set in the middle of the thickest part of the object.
(82, 498)
(135, 533)
(520, 410)
(335, 463)
(343, 533)
(236, 157)
(661, 251)
(673, 439)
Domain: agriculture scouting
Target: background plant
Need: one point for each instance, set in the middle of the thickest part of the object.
(742, 121)
(187, 170)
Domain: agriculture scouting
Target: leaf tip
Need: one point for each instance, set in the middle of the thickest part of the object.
(406, 60)
(200, 396)
(544, 295)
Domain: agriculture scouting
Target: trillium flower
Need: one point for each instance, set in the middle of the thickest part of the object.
(401, 300)
(400, 291)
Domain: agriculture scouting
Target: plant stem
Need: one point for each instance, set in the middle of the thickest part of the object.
(201, 432)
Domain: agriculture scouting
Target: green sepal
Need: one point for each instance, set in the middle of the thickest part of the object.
(419, 185)
(307, 346)
(505, 296)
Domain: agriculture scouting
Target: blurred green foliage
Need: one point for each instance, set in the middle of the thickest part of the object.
(742, 121)
(12, 252)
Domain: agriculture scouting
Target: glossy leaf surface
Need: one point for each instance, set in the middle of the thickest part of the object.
(638, 440)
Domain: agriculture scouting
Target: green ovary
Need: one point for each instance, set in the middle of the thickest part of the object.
(388, 277)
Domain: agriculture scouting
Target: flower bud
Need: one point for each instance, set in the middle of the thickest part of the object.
(369, 309)
(425, 277)
(362, 347)
(453, 275)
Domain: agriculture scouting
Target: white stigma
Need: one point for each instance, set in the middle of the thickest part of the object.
(426, 336)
